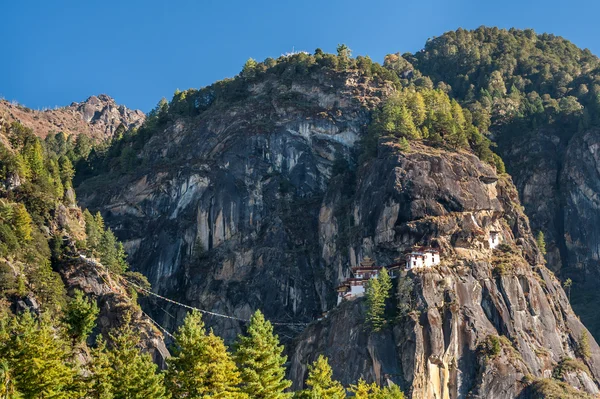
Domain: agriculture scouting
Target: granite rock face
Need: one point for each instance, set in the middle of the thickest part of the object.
(450, 201)
(556, 173)
(263, 204)
(98, 117)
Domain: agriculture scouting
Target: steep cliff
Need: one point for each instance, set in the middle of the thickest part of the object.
(556, 173)
(438, 349)
(225, 214)
(263, 202)
(98, 116)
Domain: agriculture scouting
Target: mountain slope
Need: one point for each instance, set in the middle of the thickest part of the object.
(542, 95)
(98, 117)
(263, 191)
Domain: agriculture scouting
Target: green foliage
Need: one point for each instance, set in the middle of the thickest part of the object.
(377, 291)
(260, 360)
(491, 347)
(568, 365)
(99, 382)
(519, 78)
(541, 242)
(80, 316)
(38, 358)
(249, 69)
(201, 366)
(132, 374)
(548, 388)
(362, 390)
(414, 114)
(404, 295)
(319, 382)
(103, 244)
(8, 389)
(583, 346)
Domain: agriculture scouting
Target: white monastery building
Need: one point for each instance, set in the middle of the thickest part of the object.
(354, 287)
(421, 257)
(494, 239)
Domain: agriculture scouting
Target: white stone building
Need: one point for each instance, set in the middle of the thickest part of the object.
(494, 239)
(355, 286)
(421, 257)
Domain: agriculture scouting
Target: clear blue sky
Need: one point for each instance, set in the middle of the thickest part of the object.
(56, 52)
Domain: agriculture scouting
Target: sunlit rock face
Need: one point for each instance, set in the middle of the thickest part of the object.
(263, 203)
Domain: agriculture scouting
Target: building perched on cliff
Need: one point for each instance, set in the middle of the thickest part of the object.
(421, 257)
(415, 258)
(354, 286)
(494, 239)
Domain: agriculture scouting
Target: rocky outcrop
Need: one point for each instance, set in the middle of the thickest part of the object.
(114, 302)
(262, 203)
(439, 198)
(98, 116)
(226, 216)
(556, 173)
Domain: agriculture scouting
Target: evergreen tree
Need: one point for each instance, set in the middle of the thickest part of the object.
(93, 231)
(80, 316)
(249, 69)
(39, 359)
(133, 375)
(8, 389)
(405, 126)
(541, 242)
(583, 346)
(320, 383)
(385, 283)
(375, 305)
(111, 252)
(404, 295)
(22, 222)
(260, 360)
(99, 381)
(66, 171)
(200, 366)
(362, 390)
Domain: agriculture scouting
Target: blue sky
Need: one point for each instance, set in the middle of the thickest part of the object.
(56, 52)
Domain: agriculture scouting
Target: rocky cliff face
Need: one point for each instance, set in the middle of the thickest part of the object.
(98, 116)
(556, 173)
(451, 201)
(262, 204)
(227, 217)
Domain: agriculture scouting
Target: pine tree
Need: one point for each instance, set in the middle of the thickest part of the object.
(404, 295)
(22, 222)
(583, 346)
(93, 231)
(362, 390)
(111, 252)
(39, 359)
(8, 389)
(405, 126)
(389, 392)
(260, 360)
(99, 381)
(375, 305)
(541, 242)
(80, 316)
(385, 283)
(249, 69)
(200, 366)
(320, 383)
(133, 375)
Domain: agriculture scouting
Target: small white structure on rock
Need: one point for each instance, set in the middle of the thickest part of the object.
(355, 286)
(421, 257)
(494, 239)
